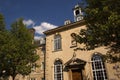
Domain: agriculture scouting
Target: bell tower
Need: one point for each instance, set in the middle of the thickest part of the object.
(78, 15)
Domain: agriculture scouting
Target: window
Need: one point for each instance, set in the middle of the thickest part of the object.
(33, 79)
(58, 72)
(98, 67)
(57, 42)
(43, 50)
(42, 66)
(42, 78)
(33, 67)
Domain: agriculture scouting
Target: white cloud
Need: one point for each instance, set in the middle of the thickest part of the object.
(29, 22)
(43, 27)
(39, 29)
(37, 37)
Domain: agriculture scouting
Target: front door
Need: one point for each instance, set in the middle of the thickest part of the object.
(76, 75)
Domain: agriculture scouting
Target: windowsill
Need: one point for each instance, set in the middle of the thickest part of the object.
(57, 50)
(72, 46)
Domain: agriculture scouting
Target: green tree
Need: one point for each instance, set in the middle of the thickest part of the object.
(2, 23)
(19, 51)
(4, 34)
(102, 19)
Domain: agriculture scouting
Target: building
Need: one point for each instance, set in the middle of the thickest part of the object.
(64, 62)
(38, 72)
(60, 60)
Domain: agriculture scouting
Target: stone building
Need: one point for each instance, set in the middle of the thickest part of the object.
(60, 60)
(38, 72)
(64, 62)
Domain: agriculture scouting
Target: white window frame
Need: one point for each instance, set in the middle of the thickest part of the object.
(56, 72)
(57, 42)
(102, 69)
(42, 65)
(33, 79)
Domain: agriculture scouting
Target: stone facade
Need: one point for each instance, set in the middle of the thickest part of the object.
(63, 61)
(76, 62)
(38, 73)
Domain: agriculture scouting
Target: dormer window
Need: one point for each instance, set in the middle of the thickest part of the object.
(67, 22)
(57, 42)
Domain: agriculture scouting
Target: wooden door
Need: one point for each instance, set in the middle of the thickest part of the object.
(76, 75)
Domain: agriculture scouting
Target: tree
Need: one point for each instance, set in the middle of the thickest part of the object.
(102, 18)
(3, 41)
(2, 23)
(19, 52)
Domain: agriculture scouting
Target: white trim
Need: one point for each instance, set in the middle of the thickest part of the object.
(57, 43)
(101, 69)
(42, 65)
(33, 78)
(55, 71)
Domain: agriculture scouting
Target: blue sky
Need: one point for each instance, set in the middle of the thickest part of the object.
(40, 14)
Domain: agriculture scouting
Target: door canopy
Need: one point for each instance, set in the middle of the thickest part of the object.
(75, 63)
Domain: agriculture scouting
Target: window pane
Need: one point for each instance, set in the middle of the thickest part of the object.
(98, 67)
(58, 69)
(42, 65)
(58, 73)
(57, 42)
(33, 79)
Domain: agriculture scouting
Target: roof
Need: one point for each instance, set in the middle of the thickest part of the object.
(64, 27)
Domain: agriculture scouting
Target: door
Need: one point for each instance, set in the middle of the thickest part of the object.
(76, 75)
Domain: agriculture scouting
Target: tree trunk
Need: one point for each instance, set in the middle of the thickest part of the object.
(13, 77)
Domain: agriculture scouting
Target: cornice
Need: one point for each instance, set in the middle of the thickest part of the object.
(64, 27)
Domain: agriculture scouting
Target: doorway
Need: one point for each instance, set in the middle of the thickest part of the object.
(77, 74)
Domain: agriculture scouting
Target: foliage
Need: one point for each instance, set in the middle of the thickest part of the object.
(3, 41)
(2, 23)
(17, 52)
(102, 18)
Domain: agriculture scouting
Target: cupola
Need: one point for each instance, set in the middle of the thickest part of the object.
(78, 15)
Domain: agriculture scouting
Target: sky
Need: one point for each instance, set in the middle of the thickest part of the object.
(41, 15)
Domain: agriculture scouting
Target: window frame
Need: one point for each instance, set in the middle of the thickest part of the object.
(42, 65)
(57, 42)
(33, 79)
(58, 70)
(98, 68)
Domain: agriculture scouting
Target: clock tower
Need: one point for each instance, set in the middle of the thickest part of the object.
(78, 15)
